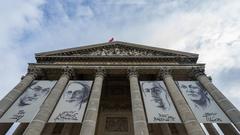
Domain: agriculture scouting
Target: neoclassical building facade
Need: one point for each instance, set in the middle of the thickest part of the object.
(117, 88)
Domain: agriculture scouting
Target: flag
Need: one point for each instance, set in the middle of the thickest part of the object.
(111, 40)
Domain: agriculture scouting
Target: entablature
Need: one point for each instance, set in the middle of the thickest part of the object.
(53, 71)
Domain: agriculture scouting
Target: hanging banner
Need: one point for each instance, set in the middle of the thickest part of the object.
(202, 104)
(72, 104)
(28, 104)
(158, 104)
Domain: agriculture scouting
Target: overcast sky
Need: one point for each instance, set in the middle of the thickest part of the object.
(209, 28)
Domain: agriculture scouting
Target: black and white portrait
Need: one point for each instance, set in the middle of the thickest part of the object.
(201, 103)
(34, 92)
(28, 104)
(72, 104)
(77, 93)
(157, 101)
(158, 93)
(197, 94)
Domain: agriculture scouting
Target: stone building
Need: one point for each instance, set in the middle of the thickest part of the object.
(117, 88)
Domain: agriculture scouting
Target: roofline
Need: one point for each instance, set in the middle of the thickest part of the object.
(71, 49)
(112, 43)
(161, 49)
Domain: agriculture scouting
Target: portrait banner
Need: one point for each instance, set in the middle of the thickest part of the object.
(73, 102)
(28, 104)
(201, 103)
(158, 104)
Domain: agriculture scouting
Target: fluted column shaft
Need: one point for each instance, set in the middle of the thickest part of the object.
(229, 109)
(90, 119)
(228, 129)
(4, 127)
(211, 129)
(67, 128)
(39, 121)
(165, 129)
(190, 122)
(48, 129)
(20, 129)
(12, 96)
(139, 119)
(181, 129)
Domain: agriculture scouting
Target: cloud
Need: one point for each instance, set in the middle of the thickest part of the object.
(15, 17)
(209, 28)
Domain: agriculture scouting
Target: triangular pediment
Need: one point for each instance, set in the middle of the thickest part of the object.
(116, 49)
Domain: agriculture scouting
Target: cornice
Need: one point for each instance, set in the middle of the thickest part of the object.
(84, 66)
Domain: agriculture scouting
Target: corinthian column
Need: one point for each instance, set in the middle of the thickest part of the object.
(190, 122)
(221, 100)
(37, 124)
(139, 119)
(12, 96)
(90, 118)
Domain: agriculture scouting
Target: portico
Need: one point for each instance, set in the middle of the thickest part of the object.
(116, 105)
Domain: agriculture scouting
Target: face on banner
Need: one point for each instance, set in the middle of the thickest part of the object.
(77, 93)
(27, 105)
(158, 104)
(201, 103)
(35, 91)
(197, 95)
(158, 94)
(72, 103)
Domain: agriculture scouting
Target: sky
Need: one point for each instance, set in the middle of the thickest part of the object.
(210, 28)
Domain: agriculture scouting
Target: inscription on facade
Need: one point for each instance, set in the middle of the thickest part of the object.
(116, 124)
(212, 117)
(67, 115)
(163, 117)
(19, 115)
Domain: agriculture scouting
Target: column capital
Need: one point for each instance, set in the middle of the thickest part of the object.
(34, 71)
(164, 72)
(132, 72)
(68, 71)
(100, 71)
(197, 71)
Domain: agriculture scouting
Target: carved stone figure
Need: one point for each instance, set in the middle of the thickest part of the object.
(118, 51)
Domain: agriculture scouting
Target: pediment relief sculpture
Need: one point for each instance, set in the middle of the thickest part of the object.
(119, 52)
